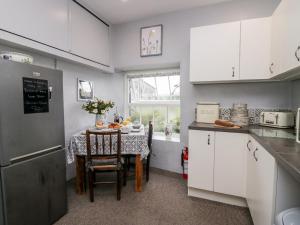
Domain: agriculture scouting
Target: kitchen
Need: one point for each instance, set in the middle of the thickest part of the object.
(124, 59)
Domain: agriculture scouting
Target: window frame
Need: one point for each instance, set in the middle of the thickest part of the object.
(158, 103)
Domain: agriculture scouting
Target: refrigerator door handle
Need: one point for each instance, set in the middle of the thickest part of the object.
(35, 154)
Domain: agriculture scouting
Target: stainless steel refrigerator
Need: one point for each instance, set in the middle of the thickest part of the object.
(32, 156)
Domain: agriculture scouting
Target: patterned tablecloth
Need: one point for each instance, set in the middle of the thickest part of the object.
(131, 143)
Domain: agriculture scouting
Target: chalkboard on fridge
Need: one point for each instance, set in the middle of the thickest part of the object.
(35, 95)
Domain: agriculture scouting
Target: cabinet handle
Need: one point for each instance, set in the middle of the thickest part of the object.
(254, 155)
(248, 145)
(270, 68)
(296, 53)
(208, 139)
(233, 71)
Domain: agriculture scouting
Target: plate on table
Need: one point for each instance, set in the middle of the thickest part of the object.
(125, 130)
(135, 130)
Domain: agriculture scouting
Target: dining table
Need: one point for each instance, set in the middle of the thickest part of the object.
(132, 143)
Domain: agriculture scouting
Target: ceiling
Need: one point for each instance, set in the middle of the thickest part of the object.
(122, 11)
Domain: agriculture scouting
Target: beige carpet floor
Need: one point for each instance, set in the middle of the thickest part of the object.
(164, 201)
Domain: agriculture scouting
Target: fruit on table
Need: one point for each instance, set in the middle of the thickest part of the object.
(114, 126)
(127, 121)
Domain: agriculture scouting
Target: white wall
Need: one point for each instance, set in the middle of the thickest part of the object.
(107, 86)
(176, 36)
(166, 155)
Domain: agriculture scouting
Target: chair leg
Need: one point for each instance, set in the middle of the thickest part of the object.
(148, 168)
(119, 185)
(84, 175)
(91, 185)
(94, 179)
(125, 174)
(128, 163)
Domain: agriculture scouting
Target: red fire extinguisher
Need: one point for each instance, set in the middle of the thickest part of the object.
(184, 162)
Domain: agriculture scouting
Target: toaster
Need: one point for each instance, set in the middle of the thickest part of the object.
(277, 119)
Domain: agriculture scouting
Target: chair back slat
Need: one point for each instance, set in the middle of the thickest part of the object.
(97, 145)
(119, 147)
(104, 154)
(110, 144)
(103, 145)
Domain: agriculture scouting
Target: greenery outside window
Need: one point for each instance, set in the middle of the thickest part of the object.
(155, 96)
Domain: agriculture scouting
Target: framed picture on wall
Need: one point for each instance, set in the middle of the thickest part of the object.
(151, 40)
(85, 90)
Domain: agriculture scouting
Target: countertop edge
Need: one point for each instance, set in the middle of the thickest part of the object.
(290, 168)
(211, 127)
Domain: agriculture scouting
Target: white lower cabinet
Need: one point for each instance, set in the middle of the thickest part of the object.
(201, 159)
(233, 165)
(217, 162)
(261, 184)
(230, 161)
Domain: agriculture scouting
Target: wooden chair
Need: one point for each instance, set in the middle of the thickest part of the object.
(107, 161)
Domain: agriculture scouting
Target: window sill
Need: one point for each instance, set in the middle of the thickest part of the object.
(164, 138)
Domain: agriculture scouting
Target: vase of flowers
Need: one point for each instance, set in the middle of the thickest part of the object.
(98, 107)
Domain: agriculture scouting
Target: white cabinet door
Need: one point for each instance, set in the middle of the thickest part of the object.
(201, 159)
(252, 170)
(266, 186)
(45, 21)
(230, 163)
(255, 56)
(89, 36)
(262, 175)
(214, 52)
(277, 40)
(286, 36)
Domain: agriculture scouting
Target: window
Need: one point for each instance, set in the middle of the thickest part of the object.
(155, 96)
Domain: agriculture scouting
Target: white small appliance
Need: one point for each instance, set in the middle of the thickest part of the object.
(17, 57)
(277, 119)
(298, 126)
(207, 112)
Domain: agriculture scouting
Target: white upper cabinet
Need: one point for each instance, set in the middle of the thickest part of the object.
(43, 21)
(201, 159)
(214, 53)
(286, 37)
(255, 58)
(89, 36)
(230, 160)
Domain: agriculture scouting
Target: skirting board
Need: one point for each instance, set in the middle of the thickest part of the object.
(217, 197)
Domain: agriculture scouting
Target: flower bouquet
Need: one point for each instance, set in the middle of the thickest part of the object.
(98, 107)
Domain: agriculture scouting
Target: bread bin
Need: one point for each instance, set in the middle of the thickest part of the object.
(207, 112)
